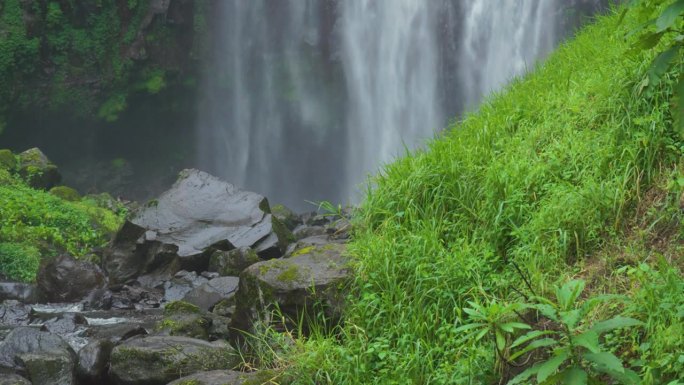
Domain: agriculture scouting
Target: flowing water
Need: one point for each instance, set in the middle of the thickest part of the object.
(304, 98)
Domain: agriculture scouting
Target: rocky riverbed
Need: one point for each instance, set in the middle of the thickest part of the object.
(171, 299)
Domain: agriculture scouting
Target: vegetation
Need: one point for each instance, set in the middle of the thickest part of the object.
(85, 57)
(35, 224)
(570, 175)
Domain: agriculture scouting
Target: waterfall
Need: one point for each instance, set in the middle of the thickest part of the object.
(303, 98)
(502, 40)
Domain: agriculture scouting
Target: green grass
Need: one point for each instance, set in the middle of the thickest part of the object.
(514, 199)
(35, 224)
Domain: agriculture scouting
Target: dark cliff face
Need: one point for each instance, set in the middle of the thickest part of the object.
(87, 57)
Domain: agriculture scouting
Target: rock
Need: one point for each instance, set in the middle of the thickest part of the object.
(304, 231)
(293, 285)
(182, 283)
(135, 252)
(233, 262)
(37, 170)
(212, 292)
(13, 379)
(49, 369)
(185, 319)
(66, 193)
(127, 297)
(64, 279)
(7, 160)
(93, 362)
(201, 211)
(160, 360)
(286, 216)
(99, 299)
(45, 357)
(14, 313)
(24, 292)
(225, 308)
(215, 377)
(65, 323)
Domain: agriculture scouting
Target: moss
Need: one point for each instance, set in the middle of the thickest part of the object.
(181, 307)
(290, 274)
(189, 382)
(303, 250)
(66, 193)
(7, 160)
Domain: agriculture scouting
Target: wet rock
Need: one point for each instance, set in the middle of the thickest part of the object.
(13, 379)
(212, 292)
(308, 243)
(305, 231)
(14, 313)
(93, 362)
(339, 229)
(40, 354)
(65, 279)
(309, 282)
(135, 252)
(225, 308)
(182, 283)
(233, 262)
(37, 170)
(24, 292)
(99, 299)
(119, 332)
(215, 377)
(65, 323)
(160, 360)
(201, 211)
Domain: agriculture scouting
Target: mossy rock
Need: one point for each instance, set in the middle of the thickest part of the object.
(37, 170)
(233, 262)
(180, 307)
(7, 160)
(286, 216)
(305, 284)
(184, 319)
(159, 360)
(66, 193)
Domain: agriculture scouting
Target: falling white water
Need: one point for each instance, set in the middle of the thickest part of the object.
(501, 40)
(389, 54)
(303, 98)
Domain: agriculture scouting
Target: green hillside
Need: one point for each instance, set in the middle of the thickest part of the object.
(572, 173)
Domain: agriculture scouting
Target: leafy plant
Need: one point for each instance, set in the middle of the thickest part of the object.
(577, 356)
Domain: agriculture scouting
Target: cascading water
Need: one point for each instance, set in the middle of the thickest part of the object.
(303, 98)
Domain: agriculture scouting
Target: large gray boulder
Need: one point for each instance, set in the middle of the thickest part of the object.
(162, 359)
(45, 357)
(199, 214)
(93, 361)
(37, 170)
(310, 281)
(65, 279)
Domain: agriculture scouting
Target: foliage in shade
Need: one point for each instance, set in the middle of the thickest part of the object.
(36, 224)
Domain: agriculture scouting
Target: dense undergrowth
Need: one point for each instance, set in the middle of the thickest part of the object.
(571, 173)
(35, 224)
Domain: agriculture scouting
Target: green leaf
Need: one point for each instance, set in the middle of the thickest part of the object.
(588, 340)
(571, 318)
(530, 336)
(649, 40)
(629, 377)
(525, 375)
(511, 326)
(500, 340)
(568, 293)
(551, 366)
(547, 311)
(575, 376)
(661, 64)
(614, 323)
(534, 345)
(669, 16)
(469, 326)
(605, 361)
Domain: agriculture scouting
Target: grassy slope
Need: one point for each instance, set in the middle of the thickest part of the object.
(35, 224)
(547, 176)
